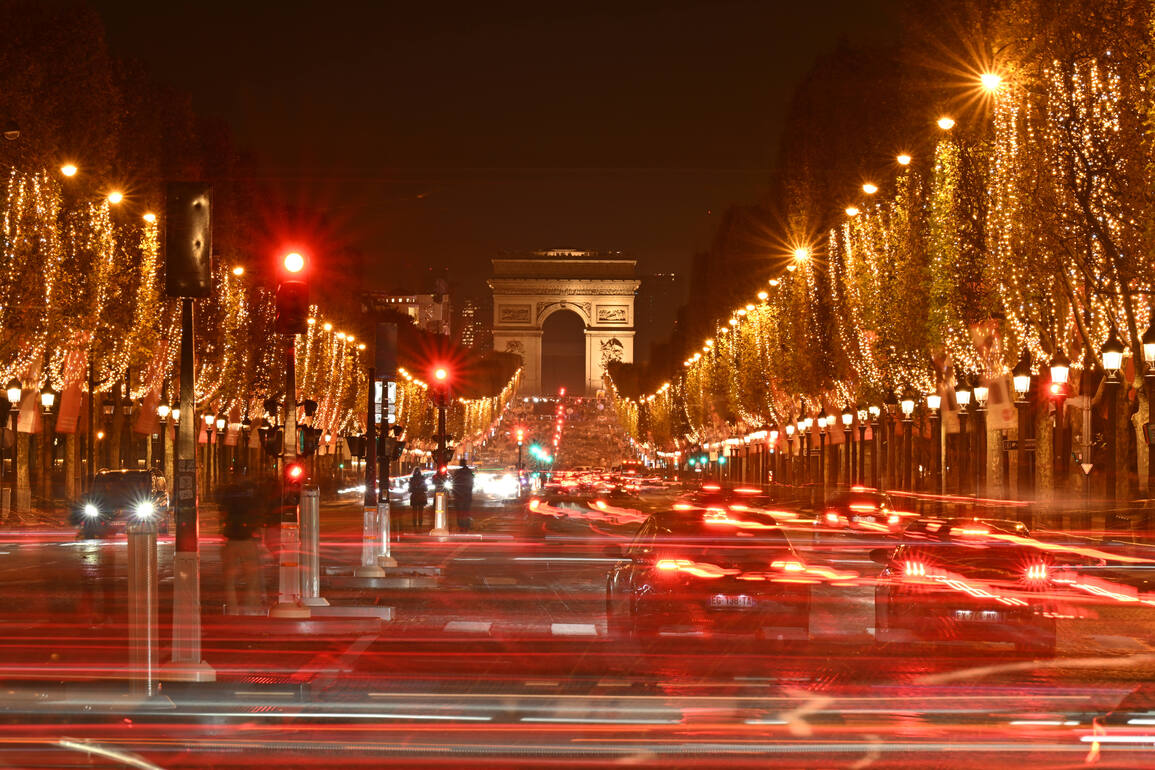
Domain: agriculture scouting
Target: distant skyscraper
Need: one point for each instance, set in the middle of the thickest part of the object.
(659, 297)
(473, 325)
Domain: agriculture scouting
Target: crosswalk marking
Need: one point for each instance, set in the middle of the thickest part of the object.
(574, 629)
(468, 626)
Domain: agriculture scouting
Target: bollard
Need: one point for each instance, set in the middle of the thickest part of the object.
(440, 514)
(369, 548)
(142, 606)
(289, 595)
(384, 557)
(310, 548)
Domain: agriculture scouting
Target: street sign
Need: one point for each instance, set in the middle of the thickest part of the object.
(1086, 468)
(1010, 444)
(391, 401)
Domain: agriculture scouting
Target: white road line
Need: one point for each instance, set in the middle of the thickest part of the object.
(573, 629)
(468, 627)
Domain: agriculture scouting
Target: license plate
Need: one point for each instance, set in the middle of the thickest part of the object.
(979, 616)
(723, 602)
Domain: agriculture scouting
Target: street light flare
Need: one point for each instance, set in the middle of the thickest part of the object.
(991, 81)
(763, 295)
(946, 123)
(870, 188)
(802, 253)
(68, 169)
(851, 211)
(440, 374)
(903, 159)
(238, 271)
(150, 217)
(115, 197)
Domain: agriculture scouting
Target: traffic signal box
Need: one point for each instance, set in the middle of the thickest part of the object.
(293, 307)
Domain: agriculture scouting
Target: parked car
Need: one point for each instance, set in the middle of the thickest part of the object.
(709, 571)
(969, 580)
(118, 497)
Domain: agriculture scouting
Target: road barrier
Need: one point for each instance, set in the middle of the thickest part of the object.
(310, 549)
(142, 606)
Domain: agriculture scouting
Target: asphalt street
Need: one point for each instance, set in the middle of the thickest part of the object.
(487, 647)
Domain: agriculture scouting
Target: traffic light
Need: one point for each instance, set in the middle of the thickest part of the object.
(294, 480)
(307, 440)
(520, 436)
(293, 297)
(270, 440)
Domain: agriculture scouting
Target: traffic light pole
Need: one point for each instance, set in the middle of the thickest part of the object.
(440, 501)
(289, 596)
(369, 527)
(186, 661)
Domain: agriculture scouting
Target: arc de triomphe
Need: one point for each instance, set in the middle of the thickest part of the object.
(600, 290)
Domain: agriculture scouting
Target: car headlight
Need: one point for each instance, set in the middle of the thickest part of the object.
(145, 509)
(91, 511)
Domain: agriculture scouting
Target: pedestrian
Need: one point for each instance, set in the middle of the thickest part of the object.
(241, 519)
(418, 497)
(463, 495)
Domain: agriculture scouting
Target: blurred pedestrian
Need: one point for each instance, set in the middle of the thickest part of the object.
(418, 497)
(241, 519)
(463, 495)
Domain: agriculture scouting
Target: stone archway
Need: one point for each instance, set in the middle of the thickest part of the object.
(598, 289)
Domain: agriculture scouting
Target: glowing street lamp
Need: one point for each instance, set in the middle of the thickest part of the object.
(946, 123)
(904, 159)
(1021, 375)
(1112, 353)
(69, 169)
(115, 197)
(851, 211)
(1061, 366)
(149, 217)
(990, 81)
(13, 391)
(870, 188)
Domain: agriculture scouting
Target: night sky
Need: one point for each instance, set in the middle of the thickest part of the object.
(442, 133)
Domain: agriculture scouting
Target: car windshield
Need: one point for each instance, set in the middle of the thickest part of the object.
(121, 489)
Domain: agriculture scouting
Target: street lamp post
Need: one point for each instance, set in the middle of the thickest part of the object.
(210, 457)
(12, 406)
(163, 410)
(222, 424)
(875, 412)
(1148, 342)
(889, 455)
(981, 395)
(962, 394)
(1021, 379)
(861, 452)
(47, 401)
(788, 462)
(933, 404)
(907, 405)
(848, 440)
(1060, 372)
(1112, 357)
(823, 422)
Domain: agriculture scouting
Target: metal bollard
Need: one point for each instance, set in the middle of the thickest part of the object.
(142, 606)
(384, 556)
(289, 596)
(440, 514)
(310, 548)
(369, 548)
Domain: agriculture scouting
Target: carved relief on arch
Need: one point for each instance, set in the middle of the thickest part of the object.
(583, 309)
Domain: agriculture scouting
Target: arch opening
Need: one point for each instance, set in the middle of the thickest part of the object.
(563, 353)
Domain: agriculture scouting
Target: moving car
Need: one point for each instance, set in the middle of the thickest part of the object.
(118, 497)
(859, 510)
(709, 571)
(971, 580)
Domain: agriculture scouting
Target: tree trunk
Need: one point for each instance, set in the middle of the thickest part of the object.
(71, 466)
(23, 471)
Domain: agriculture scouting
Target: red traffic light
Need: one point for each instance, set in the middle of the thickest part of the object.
(294, 262)
(294, 472)
(441, 374)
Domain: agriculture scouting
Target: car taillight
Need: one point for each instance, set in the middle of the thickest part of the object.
(788, 565)
(1037, 572)
(534, 504)
(893, 519)
(832, 517)
(667, 565)
(912, 568)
